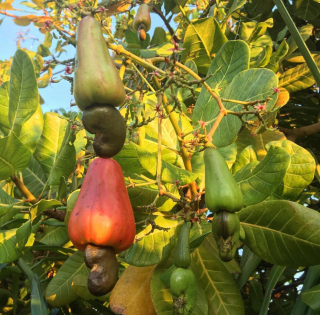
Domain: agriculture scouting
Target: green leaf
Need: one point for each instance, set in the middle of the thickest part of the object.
(248, 85)
(70, 204)
(22, 235)
(14, 156)
(34, 177)
(50, 142)
(276, 272)
(202, 40)
(312, 278)
(232, 58)
(312, 298)
(258, 183)
(4, 108)
(134, 159)
(306, 9)
(248, 264)
(246, 156)
(258, 31)
(23, 93)
(159, 37)
(38, 305)
(300, 172)
(277, 56)
(43, 50)
(255, 295)
(155, 247)
(32, 130)
(233, 6)
(59, 292)
(282, 232)
(53, 236)
(222, 293)
(37, 209)
(305, 32)
(79, 286)
(8, 250)
(298, 78)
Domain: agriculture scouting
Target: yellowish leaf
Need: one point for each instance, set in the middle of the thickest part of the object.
(131, 295)
(283, 98)
(118, 7)
(6, 5)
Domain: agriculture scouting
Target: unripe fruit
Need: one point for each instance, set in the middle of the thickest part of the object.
(222, 191)
(142, 17)
(96, 79)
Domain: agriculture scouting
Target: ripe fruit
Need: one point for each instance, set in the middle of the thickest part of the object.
(184, 291)
(182, 257)
(142, 17)
(109, 127)
(101, 223)
(226, 231)
(222, 191)
(96, 80)
(102, 214)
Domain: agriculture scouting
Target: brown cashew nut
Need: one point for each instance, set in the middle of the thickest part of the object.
(106, 122)
(104, 268)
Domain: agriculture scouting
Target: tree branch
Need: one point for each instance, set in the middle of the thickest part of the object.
(293, 134)
(55, 214)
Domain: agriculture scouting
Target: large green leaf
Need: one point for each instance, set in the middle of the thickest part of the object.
(50, 142)
(232, 58)
(222, 293)
(155, 247)
(202, 40)
(248, 85)
(161, 294)
(282, 232)
(298, 78)
(14, 156)
(300, 172)
(58, 292)
(257, 183)
(32, 129)
(306, 9)
(23, 93)
(34, 177)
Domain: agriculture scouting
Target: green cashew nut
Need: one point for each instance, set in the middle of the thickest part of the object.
(226, 231)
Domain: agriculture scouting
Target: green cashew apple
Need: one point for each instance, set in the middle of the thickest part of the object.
(221, 190)
(96, 79)
(184, 291)
(182, 257)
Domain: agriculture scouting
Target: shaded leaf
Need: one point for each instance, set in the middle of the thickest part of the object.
(282, 232)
